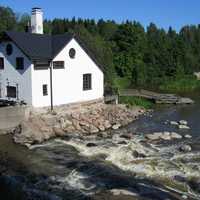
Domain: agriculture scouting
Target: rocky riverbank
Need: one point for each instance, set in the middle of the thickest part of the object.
(86, 120)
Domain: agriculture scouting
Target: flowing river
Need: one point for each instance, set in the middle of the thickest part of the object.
(108, 168)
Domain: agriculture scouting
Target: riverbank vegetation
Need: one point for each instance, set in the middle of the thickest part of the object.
(131, 55)
(182, 84)
(136, 101)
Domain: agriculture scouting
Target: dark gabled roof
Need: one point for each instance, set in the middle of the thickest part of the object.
(39, 46)
(59, 42)
(33, 45)
(44, 47)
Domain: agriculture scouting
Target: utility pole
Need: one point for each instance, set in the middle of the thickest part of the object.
(51, 84)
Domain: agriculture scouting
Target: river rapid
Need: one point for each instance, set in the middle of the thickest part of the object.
(117, 165)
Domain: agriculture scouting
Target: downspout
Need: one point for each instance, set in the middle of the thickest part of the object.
(51, 85)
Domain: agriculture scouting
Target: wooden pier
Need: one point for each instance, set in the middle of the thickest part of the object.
(156, 97)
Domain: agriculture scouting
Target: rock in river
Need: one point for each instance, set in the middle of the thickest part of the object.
(183, 122)
(181, 126)
(166, 136)
(154, 136)
(175, 135)
(91, 144)
(186, 148)
(174, 123)
(188, 136)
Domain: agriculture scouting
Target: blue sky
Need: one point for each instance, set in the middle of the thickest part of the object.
(164, 13)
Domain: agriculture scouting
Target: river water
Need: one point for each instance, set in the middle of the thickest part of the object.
(70, 169)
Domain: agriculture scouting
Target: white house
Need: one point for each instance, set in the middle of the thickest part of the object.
(46, 70)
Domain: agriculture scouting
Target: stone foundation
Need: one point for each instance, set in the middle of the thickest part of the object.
(82, 119)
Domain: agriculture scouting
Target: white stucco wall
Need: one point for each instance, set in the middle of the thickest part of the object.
(39, 78)
(68, 82)
(13, 76)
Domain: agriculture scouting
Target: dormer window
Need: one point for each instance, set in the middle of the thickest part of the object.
(1, 63)
(19, 63)
(9, 49)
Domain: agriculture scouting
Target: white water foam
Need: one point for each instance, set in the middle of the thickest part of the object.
(78, 181)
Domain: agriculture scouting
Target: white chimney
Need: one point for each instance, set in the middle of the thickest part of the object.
(37, 21)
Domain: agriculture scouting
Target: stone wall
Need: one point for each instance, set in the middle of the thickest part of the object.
(84, 119)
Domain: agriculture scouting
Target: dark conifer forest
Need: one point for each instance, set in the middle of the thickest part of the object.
(132, 56)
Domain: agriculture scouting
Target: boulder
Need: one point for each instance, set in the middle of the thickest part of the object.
(116, 126)
(153, 136)
(185, 101)
(101, 127)
(69, 129)
(93, 129)
(58, 131)
(176, 135)
(137, 154)
(107, 124)
(166, 136)
(166, 133)
(90, 144)
(188, 136)
(174, 123)
(122, 142)
(75, 116)
(181, 126)
(126, 136)
(183, 122)
(76, 125)
(185, 148)
(30, 134)
(84, 123)
(49, 120)
(64, 122)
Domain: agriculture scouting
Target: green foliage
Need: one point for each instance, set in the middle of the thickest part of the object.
(7, 19)
(182, 84)
(122, 83)
(130, 56)
(136, 101)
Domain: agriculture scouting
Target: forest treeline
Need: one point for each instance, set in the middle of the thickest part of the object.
(131, 55)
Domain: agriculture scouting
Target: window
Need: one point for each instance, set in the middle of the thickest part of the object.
(20, 63)
(58, 64)
(1, 63)
(9, 49)
(45, 90)
(40, 65)
(87, 81)
(72, 53)
(11, 92)
(0, 91)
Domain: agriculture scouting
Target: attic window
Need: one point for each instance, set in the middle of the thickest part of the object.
(19, 63)
(72, 53)
(40, 65)
(1, 63)
(9, 49)
(58, 64)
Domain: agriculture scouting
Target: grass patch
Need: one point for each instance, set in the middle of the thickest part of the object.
(122, 83)
(185, 84)
(136, 101)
